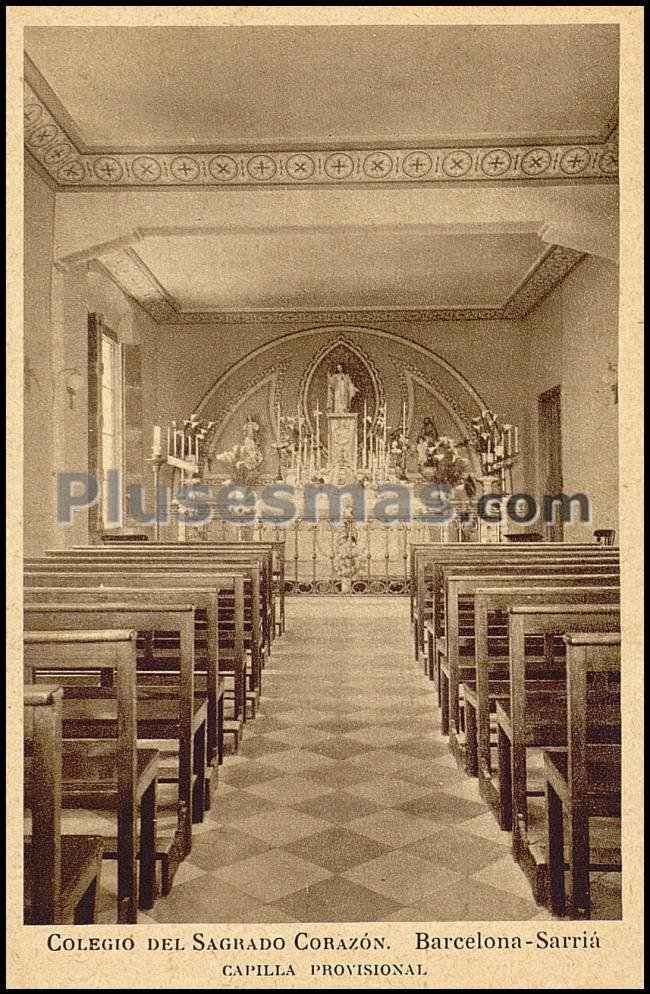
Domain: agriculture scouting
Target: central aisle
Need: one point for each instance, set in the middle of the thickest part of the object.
(344, 803)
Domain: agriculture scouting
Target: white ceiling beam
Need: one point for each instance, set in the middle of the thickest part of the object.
(85, 221)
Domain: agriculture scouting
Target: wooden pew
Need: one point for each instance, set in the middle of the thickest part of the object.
(161, 654)
(61, 876)
(230, 620)
(425, 549)
(437, 629)
(428, 581)
(175, 575)
(116, 777)
(260, 560)
(276, 546)
(524, 723)
(488, 678)
(584, 781)
(430, 606)
(458, 642)
(487, 675)
(167, 714)
(427, 558)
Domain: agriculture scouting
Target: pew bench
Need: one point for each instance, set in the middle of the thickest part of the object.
(115, 778)
(428, 583)
(61, 876)
(235, 637)
(583, 782)
(431, 592)
(172, 720)
(459, 658)
(532, 722)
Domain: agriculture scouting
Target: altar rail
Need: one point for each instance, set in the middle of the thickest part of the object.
(311, 565)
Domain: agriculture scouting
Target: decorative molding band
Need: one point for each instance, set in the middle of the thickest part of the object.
(51, 145)
(129, 272)
(554, 266)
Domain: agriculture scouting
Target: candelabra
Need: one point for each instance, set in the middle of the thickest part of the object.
(157, 461)
(497, 446)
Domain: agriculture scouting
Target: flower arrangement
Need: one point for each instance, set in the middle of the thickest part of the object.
(443, 464)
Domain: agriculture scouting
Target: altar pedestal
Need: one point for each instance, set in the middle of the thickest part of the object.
(342, 447)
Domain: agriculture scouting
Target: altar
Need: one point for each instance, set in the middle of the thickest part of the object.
(335, 550)
(339, 466)
(342, 447)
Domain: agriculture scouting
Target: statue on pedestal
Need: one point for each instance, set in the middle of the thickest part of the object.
(341, 391)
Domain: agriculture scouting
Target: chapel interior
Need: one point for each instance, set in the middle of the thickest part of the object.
(377, 258)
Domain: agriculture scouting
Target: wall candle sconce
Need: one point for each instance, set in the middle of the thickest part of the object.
(73, 383)
(613, 369)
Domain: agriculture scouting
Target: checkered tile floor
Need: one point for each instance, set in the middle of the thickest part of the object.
(343, 803)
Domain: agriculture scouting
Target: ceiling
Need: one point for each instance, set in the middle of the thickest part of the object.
(340, 268)
(264, 87)
(478, 120)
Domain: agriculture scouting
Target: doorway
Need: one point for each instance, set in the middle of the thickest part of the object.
(550, 455)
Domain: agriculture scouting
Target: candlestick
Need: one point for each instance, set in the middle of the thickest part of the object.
(157, 461)
(516, 442)
(156, 446)
(364, 457)
(317, 417)
(507, 441)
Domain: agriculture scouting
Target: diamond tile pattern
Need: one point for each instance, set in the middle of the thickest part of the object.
(344, 803)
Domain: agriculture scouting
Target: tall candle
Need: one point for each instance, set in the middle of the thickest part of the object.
(385, 422)
(169, 451)
(317, 417)
(516, 442)
(364, 460)
(404, 422)
(156, 448)
(507, 440)
(277, 411)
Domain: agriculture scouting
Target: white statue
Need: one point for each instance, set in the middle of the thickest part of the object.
(341, 391)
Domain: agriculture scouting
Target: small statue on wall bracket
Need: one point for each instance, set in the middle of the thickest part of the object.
(246, 457)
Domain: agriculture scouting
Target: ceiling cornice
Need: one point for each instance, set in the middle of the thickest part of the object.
(54, 141)
(125, 267)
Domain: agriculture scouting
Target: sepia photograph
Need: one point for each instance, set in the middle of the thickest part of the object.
(326, 542)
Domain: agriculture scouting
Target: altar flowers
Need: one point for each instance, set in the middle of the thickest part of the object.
(443, 464)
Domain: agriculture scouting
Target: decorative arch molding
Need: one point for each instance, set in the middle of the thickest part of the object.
(460, 420)
(226, 415)
(343, 333)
